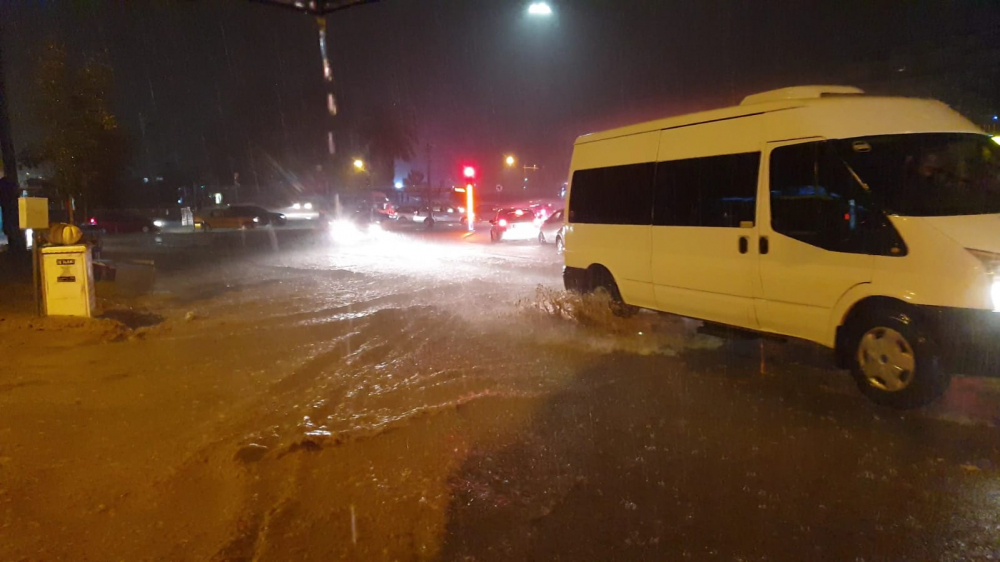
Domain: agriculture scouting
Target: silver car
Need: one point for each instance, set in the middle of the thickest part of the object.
(429, 216)
(551, 230)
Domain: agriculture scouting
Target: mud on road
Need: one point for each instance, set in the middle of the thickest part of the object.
(433, 397)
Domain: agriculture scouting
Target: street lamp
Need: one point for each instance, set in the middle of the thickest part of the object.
(541, 9)
(359, 164)
(509, 160)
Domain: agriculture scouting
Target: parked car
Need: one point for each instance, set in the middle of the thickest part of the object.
(514, 224)
(115, 222)
(229, 217)
(264, 217)
(551, 229)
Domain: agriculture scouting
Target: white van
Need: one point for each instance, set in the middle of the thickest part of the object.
(870, 225)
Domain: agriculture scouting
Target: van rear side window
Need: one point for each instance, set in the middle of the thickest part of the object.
(612, 195)
(719, 191)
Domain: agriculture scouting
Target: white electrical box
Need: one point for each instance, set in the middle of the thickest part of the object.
(33, 212)
(67, 281)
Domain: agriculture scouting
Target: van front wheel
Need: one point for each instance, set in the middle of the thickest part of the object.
(893, 360)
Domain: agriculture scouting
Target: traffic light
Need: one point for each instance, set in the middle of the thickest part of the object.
(469, 173)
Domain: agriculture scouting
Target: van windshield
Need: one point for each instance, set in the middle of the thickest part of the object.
(928, 174)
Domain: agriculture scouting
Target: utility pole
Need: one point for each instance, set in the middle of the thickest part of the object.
(9, 190)
(428, 179)
(6, 139)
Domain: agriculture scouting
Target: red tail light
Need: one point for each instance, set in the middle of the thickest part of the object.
(92, 221)
(502, 222)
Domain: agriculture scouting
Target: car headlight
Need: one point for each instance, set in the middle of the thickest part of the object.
(991, 264)
(256, 219)
(159, 223)
(297, 206)
(308, 205)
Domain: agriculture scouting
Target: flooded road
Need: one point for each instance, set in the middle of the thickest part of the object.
(422, 396)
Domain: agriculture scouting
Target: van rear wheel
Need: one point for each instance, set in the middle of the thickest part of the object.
(601, 280)
(893, 360)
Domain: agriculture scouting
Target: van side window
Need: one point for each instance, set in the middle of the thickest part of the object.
(612, 195)
(719, 191)
(817, 200)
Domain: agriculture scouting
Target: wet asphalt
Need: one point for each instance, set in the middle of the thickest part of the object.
(742, 450)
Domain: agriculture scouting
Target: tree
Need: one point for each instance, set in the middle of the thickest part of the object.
(388, 137)
(414, 179)
(81, 140)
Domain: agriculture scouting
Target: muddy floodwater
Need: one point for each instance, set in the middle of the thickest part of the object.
(432, 396)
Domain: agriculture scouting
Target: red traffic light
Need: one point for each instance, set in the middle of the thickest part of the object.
(469, 172)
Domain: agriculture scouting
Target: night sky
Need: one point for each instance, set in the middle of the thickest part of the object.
(217, 87)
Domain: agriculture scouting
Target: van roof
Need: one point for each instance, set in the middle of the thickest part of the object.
(771, 101)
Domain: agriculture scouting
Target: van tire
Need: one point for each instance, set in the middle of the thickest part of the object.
(602, 280)
(901, 339)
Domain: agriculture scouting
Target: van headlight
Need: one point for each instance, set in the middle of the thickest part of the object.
(991, 264)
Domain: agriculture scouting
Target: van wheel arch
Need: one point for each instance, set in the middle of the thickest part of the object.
(599, 277)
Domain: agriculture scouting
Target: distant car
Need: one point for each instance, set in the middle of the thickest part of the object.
(304, 210)
(264, 217)
(230, 217)
(549, 232)
(120, 223)
(434, 214)
(405, 213)
(514, 224)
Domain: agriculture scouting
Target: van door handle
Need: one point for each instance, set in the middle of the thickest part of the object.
(744, 244)
(765, 246)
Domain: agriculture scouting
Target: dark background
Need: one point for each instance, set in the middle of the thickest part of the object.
(211, 87)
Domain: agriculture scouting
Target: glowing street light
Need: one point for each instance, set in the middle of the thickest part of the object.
(359, 164)
(509, 160)
(539, 9)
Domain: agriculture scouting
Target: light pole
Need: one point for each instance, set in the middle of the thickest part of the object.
(359, 167)
(510, 160)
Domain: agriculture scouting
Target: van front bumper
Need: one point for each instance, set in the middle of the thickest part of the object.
(968, 339)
